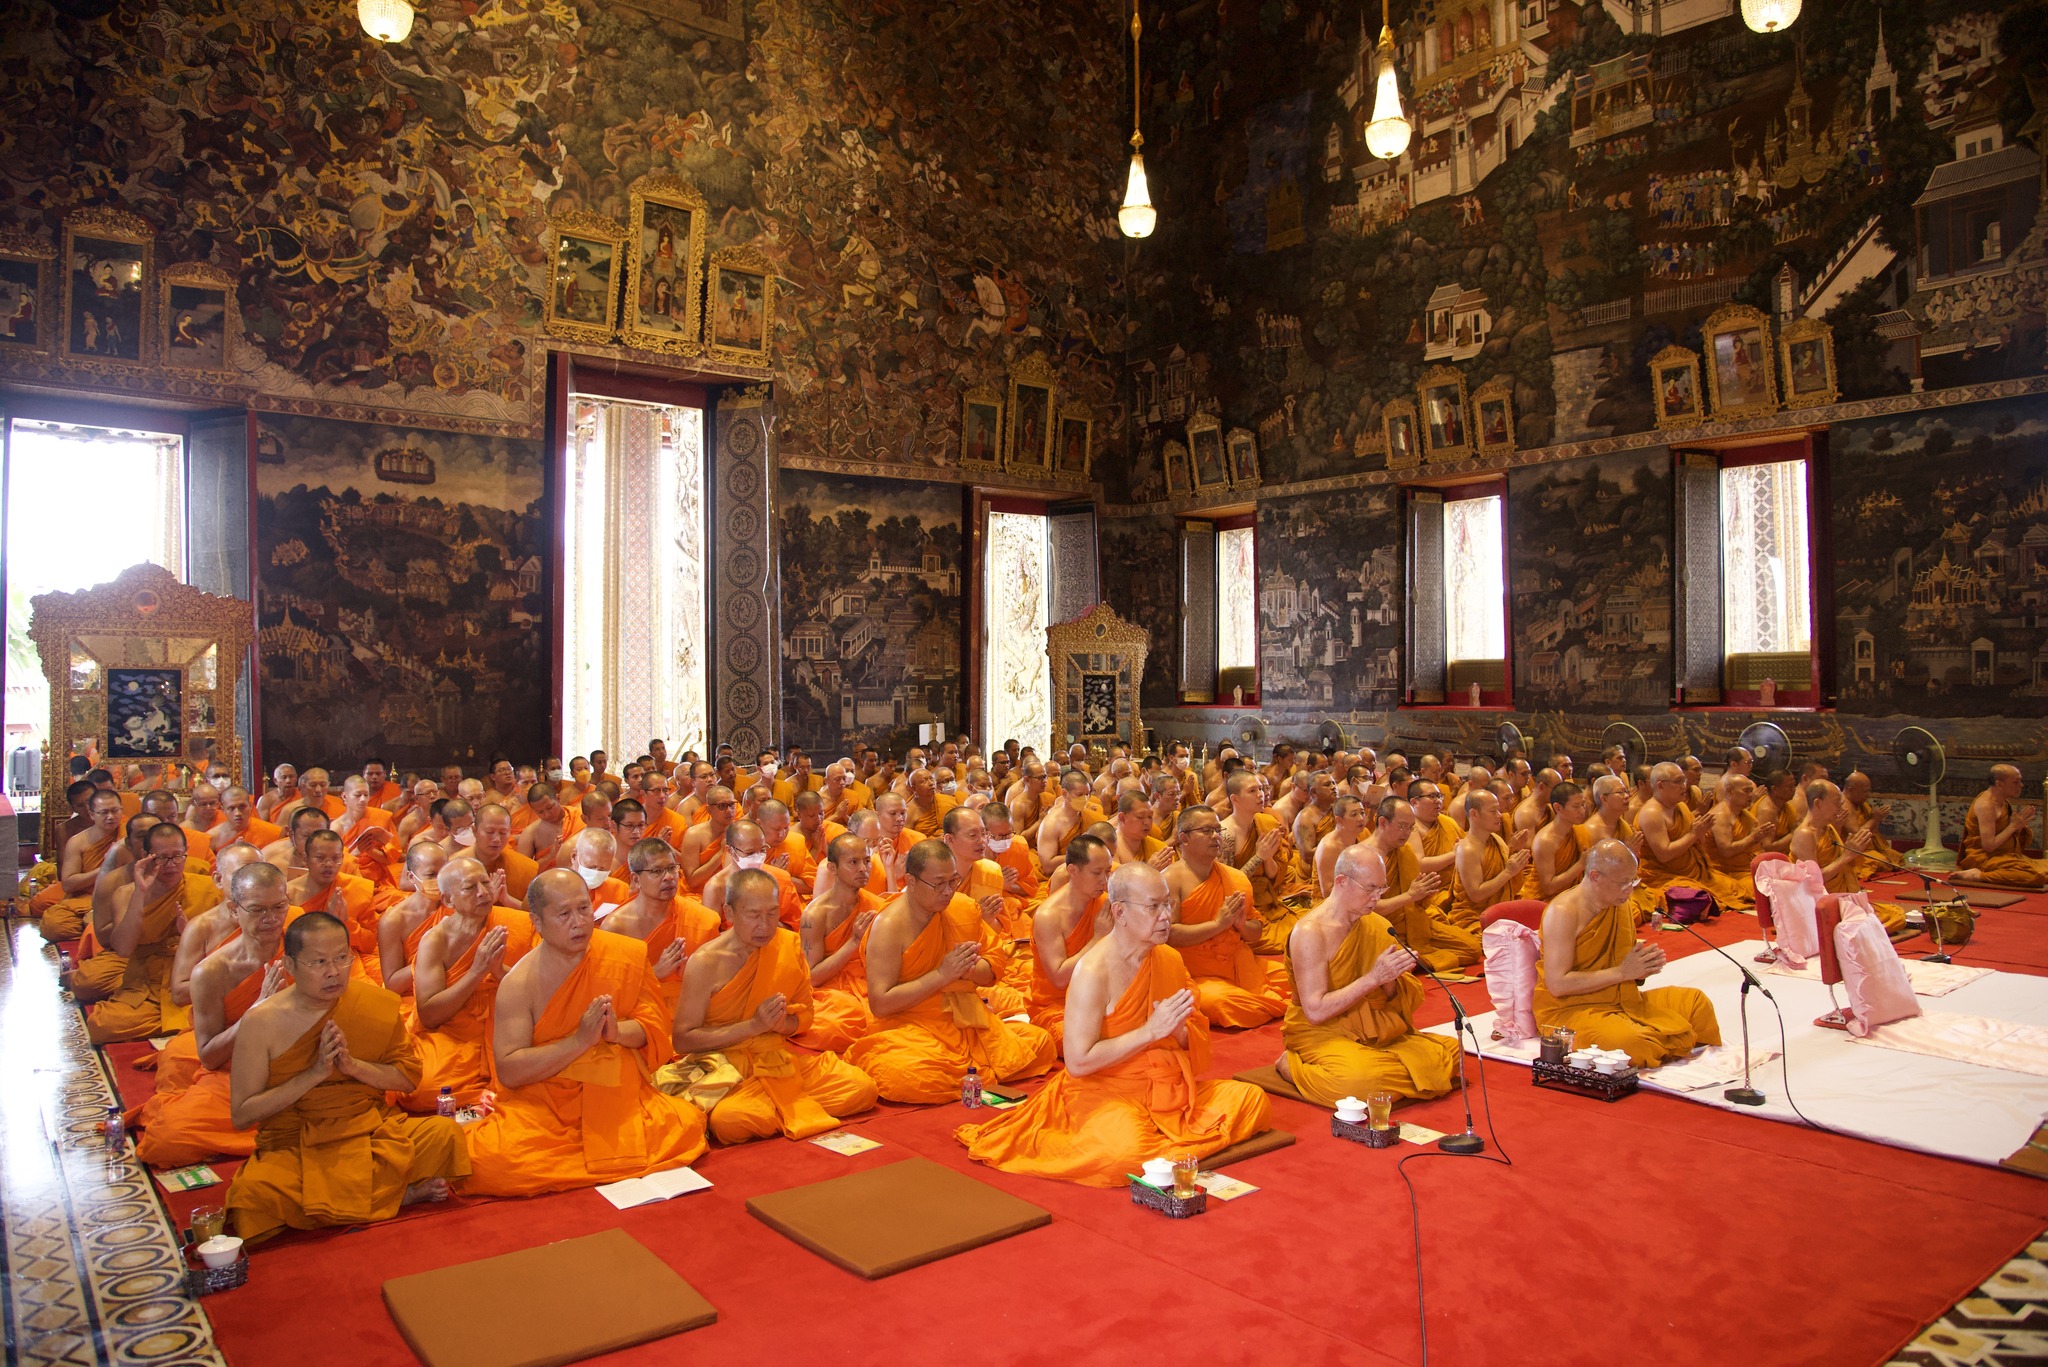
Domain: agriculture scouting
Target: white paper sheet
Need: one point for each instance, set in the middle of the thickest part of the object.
(656, 1186)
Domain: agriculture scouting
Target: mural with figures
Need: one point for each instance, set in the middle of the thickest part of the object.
(872, 610)
(1589, 576)
(1330, 594)
(402, 586)
(1141, 581)
(1941, 548)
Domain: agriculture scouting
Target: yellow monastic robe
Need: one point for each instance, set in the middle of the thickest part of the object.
(690, 921)
(1694, 871)
(1644, 901)
(1374, 1046)
(1279, 902)
(1652, 1026)
(2013, 863)
(1734, 865)
(931, 821)
(1017, 908)
(141, 982)
(1233, 988)
(1096, 1129)
(1856, 815)
(1435, 939)
(340, 1155)
(1013, 971)
(1437, 841)
(601, 1118)
(1464, 912)
(190, 1120)
(785, 1092)
(1827, 850)
(1048, 1006)
(64, 918)
(457, 1052)
(839, 1008)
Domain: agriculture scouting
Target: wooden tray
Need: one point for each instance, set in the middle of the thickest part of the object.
(1166, 1203)
(1563, 1077)
(204, 1281)
(1365, 1134)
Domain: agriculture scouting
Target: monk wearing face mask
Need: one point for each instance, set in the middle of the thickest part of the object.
(747, 843)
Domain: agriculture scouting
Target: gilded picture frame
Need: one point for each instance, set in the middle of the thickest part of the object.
(1742, 374)
(1034, 389)
(1073, 449)
(739, 304)
(1241, 447)
(109, 280)
(1180, 480)
(1441, 398)
(1675, 383)
(981, 428)
(664, 301)
(28, 322)
(1493, 417)
(583, 277)
(1404, 435)
(1205, 451)
(1097, 661)
(1806, 351)
(197, 325)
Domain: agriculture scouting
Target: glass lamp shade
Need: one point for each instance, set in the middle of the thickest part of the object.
(1770, 16)
(1137, 217)
(388, 21)
(1388, 133)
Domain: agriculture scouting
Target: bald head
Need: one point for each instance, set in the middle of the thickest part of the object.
(255, 881)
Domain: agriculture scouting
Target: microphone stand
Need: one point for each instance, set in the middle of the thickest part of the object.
(1745, 1095)
(1469, 1142)
(1929, 921)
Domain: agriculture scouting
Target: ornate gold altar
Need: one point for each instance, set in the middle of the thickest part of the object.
(1098, 660)
(142, 671)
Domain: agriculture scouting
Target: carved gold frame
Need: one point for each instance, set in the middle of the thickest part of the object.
(154, 622)
(1677, 358)
(110, 225)
(1498, 390)
(1086, 417)
(1175, 453)
(1033, 372)
(1800, 333)
(39, 256)
(1438, 378)
(1728, 320)
(982, 396)
(671, 193)
(198, 275)
(1201, 427)
(579, 226)
(739, 261)
(1403, 410)
(1242, 440)
(1097, 642)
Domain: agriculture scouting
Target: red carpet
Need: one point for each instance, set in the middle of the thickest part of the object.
(1652, 1230)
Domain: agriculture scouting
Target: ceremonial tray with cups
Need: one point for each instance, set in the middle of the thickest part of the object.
(1605, 1074)
(1155, 1191)
(224, 1265)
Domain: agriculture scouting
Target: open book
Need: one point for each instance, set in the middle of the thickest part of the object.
(655, 1186)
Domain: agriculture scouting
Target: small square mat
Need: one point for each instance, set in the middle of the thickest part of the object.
(1984, 899)
(887, 1219)
(1265, 1141)
(604, 1292)
(1268, 1079)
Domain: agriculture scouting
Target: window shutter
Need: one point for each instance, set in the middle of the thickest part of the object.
(1198, 615)
(1697, 658)
(217, 558)
(1075, 588)
(1426, 641)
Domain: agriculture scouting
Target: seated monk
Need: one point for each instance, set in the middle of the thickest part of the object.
(1860, 813)
(1673, 853)
(1487, 872)
(203, 934)
(118, 872)
(671, 925)
(747, 845)
(929, 955)
(1216, 929)
(353, 901)
(1074, 812)
(369, 835)
(592, 856)
(384, 794)
(1350, 1029)
(239, 823)
(313, 793)
(578, 1033)
(494, 851)
(927, 805)
(404, 922)
(66, 904)
(541, 836)
(983, 887)
(288, 852)
(461, 960)
(189, 1119)
(1256, 843)
(283, 790)
(1316, 818)
(1776, 814)
(703, 853)
(812, 831)
(834, 934)
(1347, 828)
(786, 850)
(1414, 903)
(1816, 839)
(311, 1067)
(1436, 836)
(1998, 838)
(128, 982)
(1532, 813)
(1066, 923)
(745, 993)
(1589, 978)
(1135, 1045)
(1023, 887)
(1734, 835)
(1135, 843)
(1557, 859)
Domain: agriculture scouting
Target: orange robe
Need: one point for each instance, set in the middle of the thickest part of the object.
(457, 1052)
(261, 833)
(1232, 987)
(199, 852)
(1435, 939)
(784, 1092)
(340, 1155)
(1693, 870)
(600, 1119)
(932, 821)
(364, 902)
(920, 1054)
(1828, 848)
(2014, 862)
(190, 1123)
(1017, 908)
(802, 867)
(519, 872)
(1374, 1046)
(64, 917)
(1096, 1129)
(1651, 1026)
(377, 866)
(1048, 1006)
(1464, 911)
(141, 981)
(695, 925)
(839, 1008)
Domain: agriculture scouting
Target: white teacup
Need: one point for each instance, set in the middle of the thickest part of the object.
(1612, 1065)
(220, 1251)
(1159, 1172)
(1350, 1110)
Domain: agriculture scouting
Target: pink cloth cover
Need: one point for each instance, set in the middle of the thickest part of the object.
(1793, 890)
(1981, 1040)
(1879, 991)
(1511, 951)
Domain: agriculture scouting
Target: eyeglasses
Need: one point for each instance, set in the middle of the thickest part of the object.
(322, 965)
(944, 885)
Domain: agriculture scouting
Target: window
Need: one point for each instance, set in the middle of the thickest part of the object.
(1457, 595)
(1220, 611)
(1765, 598)
(1016, 681)
(1475, 594)
(1237, 606)
(635, 625)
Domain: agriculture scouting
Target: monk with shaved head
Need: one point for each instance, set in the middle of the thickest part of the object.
(403, 923)
(455, 976)
(128, 982)
(1998, 836)
(1817, 839)
(834, 936)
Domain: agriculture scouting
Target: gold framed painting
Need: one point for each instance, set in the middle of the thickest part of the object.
(741, 298)
(196, 318)
(1404, 442)
(1205, 447)
(1806, 348)
(1073, 442)
(1442, 394)
(664, 266)
(1242, 447)
(26, 317)
(583, 276)
(1741, 378)
(108, 276)
(1179, 477)
(981, 428)
(1493, 417)
(1675, 381)
(1030, 435)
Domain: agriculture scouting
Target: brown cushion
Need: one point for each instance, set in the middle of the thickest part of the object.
(1265, 1141)
(890, 1218)
(603, 1292)
(1981, 898)
(1268, 1079)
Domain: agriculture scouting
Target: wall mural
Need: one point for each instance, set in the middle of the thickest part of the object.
(1941, 548)
(401, 594)
(1589, 576)
(1576, 199)
(1141, 581)
(872, 610)
(1330, 594)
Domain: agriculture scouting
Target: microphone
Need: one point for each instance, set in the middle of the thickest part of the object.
(1745, 1095)
(1469, 1142)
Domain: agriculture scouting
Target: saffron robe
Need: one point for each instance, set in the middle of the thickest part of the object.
(457, 1052)
(1048, 1005)
(1436, 940)
(140, 983)
(1232, 987)
(63, 918)
(1374, 1046)
(188, 1118)
(2014, 862)
(839, 1007)
(1652, 1026)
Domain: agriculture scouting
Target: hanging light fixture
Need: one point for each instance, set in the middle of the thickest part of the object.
(1770, 16)
(1137, 217)
(388, 21)
(1386, 137)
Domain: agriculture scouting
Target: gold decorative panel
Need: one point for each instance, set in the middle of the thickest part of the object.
(1097, 662)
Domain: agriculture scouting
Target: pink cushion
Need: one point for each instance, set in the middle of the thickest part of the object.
(1511, 949)
(1763, 901)
(1528, 912)
(1873, 979)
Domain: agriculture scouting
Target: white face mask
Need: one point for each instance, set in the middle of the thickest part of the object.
(999, 843)
(465, 837)
(559, 775)
(949, 788)
(751, 861)
(592, 878)
(768, 769)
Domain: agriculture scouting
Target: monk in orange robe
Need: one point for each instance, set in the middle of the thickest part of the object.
(460, 962)
(383, 792)
(203, 933)
(66, 904)
(127, 983)
(786, 850)
(1414, 903)
(578, 1033)
(747, 844)
(1023, 888)
(929, 957)
(1487, 870)
(592, 856)
(1674, 853)
(189, 1117)
(369, 835)
(1135, 1045)
(239, 823)
(539, 826)
(494, 851)
(1233, 987)
(703, 851)
(311, 1068)
(353, 901)
(744, 995)
(1816, 839)
(1066, 923)
(1256, 843)
(402, 925)
(1998, 837)
(672, 926)
(816, 833)
(834, 931)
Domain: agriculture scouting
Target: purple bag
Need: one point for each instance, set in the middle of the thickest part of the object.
(1688, 906)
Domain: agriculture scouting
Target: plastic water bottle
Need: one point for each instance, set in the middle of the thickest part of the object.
(445, 1103)
(117, 1129)
(970, 1089)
